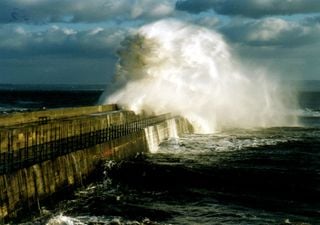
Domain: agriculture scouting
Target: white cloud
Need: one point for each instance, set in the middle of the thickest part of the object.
(95, 31)
(162, 10)
(69, 31)
(20, 30)
(270, 29)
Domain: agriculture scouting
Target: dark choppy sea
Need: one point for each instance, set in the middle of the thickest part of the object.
(12, 100)
(261, 176)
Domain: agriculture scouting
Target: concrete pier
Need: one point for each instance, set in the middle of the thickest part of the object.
(44, 152)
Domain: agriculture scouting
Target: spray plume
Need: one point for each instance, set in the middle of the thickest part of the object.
(171, 66)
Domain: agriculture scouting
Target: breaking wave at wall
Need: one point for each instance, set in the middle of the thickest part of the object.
(172, 66)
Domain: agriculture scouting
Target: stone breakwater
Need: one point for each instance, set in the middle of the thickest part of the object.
(45, 152)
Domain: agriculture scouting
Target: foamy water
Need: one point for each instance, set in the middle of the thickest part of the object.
(262, 176)
(172, 66)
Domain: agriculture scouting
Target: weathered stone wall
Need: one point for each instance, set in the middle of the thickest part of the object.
(25, 187)
(15, 137)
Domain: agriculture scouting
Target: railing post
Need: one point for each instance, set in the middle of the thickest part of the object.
(9, 162)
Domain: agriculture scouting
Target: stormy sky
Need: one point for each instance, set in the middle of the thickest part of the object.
(75, 41)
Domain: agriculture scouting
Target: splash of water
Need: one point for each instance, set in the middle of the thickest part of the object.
(64, 220)
(172, 66)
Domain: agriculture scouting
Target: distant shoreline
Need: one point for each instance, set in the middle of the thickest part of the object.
(52, 87)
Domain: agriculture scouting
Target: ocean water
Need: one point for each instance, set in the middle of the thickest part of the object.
(238, 176)
(13, 100)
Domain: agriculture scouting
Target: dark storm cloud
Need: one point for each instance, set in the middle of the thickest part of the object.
(286, 48)
(95, 42)
(60, 40)
(250, 8)
(272, 32)
(44, 11)
(58, 54)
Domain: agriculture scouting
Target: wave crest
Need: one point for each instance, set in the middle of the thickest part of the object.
(172, 66)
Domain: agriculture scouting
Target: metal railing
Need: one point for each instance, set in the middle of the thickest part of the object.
(15, 159)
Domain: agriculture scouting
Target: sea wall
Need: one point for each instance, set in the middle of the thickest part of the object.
(26, 187)
(38, 160)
